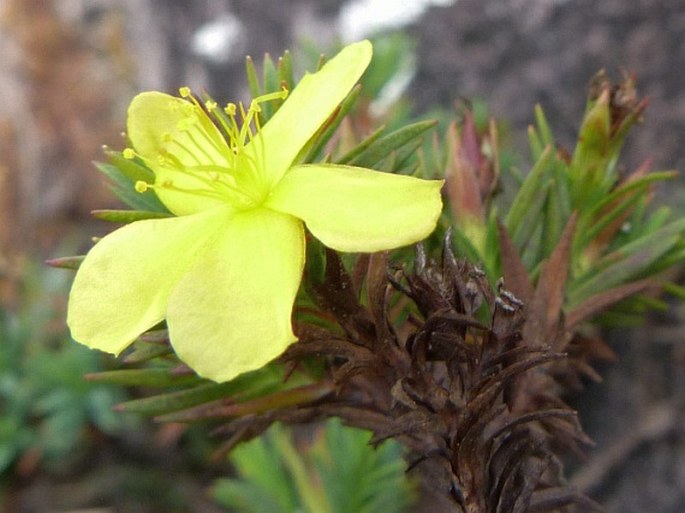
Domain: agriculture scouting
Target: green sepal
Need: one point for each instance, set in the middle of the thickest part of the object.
(144, 351)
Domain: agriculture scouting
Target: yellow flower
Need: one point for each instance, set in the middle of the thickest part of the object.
(224, 273)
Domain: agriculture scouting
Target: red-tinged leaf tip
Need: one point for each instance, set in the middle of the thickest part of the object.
(72, 262)
(182, 370)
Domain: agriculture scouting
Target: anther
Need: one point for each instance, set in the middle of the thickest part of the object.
(141, 186)
(184, 92)
(129, 154)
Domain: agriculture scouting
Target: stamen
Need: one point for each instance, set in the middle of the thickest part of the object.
(198, 146)
(192, 148)
(141, 187)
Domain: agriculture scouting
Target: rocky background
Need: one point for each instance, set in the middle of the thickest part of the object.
(68, 68)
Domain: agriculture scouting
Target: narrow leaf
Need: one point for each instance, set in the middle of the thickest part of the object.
(599, 302)
(144, 377)
(257, 382)
(314, 149)
(362, 146)
(393, 141)
(524, 214)
(127, 216)
(516, 278)
(252, 78)
(70, 262)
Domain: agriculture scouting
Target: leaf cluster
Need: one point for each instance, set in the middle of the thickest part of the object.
(618, 240)
(46, 405)
(333, 473)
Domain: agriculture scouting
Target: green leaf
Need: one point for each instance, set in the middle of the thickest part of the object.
(127, 216)
(123, 187)
(384, 146)
(245, 386)
(271, 84)
(637, 259)
(264, 485)
(361, 147)
(338, 473)
(535, 143)
(252, 78)
(631, 186)
(285, 70)
(546, 137)
(315, 147)
(133, 169)
(524, 215)
(162, 378)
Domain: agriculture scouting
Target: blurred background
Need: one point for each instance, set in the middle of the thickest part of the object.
(69, 68)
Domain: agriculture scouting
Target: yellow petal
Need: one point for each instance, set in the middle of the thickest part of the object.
(231, 312)
(308, 106)
(355, 209)
(123, 286)
(173, 135)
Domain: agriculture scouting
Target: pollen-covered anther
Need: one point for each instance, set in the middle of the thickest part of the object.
(231, 109)
(142, 186)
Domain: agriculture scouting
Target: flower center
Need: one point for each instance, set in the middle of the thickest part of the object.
(208, 152)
